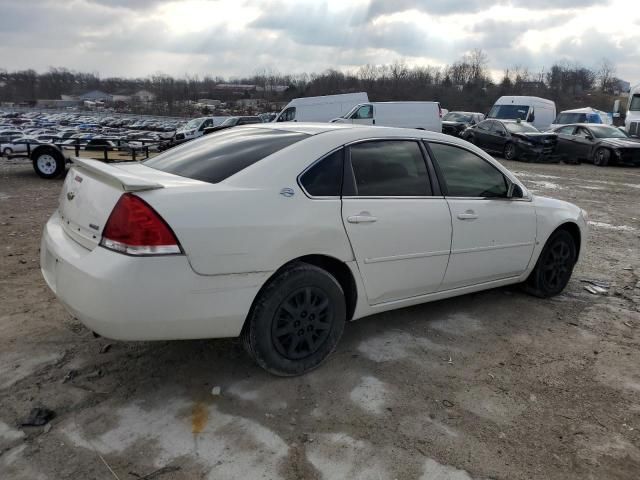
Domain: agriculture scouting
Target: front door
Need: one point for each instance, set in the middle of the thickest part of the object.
(583, 143)
(493, 236)
(399, 231)
(363, 115)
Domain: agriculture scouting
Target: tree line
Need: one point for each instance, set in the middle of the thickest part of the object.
(463, 85)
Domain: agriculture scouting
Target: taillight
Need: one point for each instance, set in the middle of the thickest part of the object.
(440, 110)
(135, 228)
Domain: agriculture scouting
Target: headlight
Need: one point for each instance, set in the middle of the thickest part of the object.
(526, 142)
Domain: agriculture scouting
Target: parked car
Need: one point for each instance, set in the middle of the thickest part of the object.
(514, 140)
(454, 123)
(420, 115)
(280, 233)
(7, 135)
(320, 109)
(100, 144)
(233, 122)
(600, 144)
(539, 112)
(19, 146)
(581, 115)
(195, 128)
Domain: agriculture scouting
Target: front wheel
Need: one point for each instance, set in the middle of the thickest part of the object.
(48, 164)
(601, 157)
(7, 152)
(296, 321)
(510, 151)
(554, 267)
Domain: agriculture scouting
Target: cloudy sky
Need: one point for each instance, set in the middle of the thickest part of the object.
(239, 37)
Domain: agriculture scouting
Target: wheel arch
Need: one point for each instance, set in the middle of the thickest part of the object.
(46, 148)
(574, 231)
(337, 268)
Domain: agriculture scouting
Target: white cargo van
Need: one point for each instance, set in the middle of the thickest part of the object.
(421, 115)
(582, 115)
(195, 128)
(632, 122)
(320, 109)
(539, 112)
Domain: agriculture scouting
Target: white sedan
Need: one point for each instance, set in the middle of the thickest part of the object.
(281, 233)
(19, 146)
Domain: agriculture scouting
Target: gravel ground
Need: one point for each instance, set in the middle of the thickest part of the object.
(490, 385)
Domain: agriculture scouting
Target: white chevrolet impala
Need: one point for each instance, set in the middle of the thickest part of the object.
(281, 233)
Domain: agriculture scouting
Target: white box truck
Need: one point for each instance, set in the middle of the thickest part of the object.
(320, 109)
(420, 115)
(632, 121)
(537, 111)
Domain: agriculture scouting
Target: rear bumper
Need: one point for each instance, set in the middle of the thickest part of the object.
(151, 298)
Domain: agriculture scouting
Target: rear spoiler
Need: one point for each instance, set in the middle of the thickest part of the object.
(115, 176)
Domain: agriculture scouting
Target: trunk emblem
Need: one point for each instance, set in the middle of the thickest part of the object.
(71, 195)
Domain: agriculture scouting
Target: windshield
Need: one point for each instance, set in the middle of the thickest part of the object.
(566, 118)
(457, 117)
(635, 103)
(230, 122)
(350, 112)
(607, 132)
(509, 112)
(521, 128)
(195, 123)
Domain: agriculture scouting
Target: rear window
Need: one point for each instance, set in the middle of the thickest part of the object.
(215, 157)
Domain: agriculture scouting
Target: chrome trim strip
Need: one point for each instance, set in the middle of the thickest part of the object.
(492, 247)
(406, 256)
(377, 197)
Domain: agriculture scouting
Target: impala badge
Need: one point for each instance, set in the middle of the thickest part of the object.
(287, 192)
(71, 196)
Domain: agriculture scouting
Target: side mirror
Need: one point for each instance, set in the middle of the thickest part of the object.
(502, 133)
(514, 191)
(588, 137)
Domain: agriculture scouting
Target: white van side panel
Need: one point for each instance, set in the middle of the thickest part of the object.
(423, 115)
(324, 108)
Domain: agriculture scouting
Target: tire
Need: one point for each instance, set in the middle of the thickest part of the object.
(48, 163)
(7, 151)
(296, 321)
(509, 152)
(601, 157)
(554, 266)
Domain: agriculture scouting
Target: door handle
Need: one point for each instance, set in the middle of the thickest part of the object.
(363, 217)
(468, 215)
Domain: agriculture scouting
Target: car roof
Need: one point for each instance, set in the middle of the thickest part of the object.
(310, 128)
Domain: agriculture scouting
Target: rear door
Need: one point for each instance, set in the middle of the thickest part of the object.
(398, 224)
(493, 236)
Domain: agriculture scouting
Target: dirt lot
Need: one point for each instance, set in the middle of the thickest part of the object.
(492, 385)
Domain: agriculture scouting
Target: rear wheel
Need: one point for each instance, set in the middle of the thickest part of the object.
(509, 151)
(7, 151)
(554, 267)
(296, 321)
(48, 163)
(601, 157)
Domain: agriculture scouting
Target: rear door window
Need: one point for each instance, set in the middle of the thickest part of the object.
(213, 158)
(390, 168)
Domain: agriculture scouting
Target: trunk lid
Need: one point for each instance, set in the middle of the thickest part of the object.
(92, 189)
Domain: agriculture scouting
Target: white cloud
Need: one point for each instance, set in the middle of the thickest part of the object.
(238, 37)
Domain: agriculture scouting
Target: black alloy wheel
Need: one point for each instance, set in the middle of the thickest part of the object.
(601, 157)
(509, 151)
(554, 267)
(302, 323)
